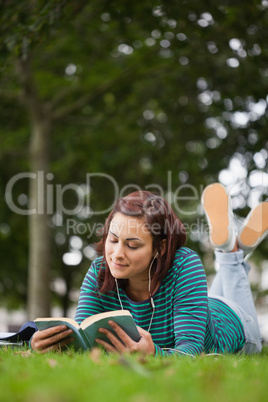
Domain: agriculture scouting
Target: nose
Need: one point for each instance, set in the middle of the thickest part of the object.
(119, 252)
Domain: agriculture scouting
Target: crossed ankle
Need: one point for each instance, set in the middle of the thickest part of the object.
(217, 206)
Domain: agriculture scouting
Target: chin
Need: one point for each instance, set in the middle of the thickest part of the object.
(117, 275)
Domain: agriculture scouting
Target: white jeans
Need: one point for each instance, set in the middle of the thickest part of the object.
(231, 285)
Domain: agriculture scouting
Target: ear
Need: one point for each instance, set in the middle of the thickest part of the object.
(163, 247)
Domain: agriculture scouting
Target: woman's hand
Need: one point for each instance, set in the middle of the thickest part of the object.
(125, 344)
(49, 339)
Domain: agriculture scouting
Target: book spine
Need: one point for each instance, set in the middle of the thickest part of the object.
(85, 338)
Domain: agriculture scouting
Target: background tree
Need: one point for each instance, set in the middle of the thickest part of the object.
(151, 93)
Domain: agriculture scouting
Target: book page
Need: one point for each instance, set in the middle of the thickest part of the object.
(4, 335)
(58, 321)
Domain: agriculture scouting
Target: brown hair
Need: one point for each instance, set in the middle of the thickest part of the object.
(161, 221)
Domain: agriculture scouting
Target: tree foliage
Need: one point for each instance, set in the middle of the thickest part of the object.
(163, 93)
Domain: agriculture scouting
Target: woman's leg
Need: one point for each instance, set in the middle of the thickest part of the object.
(255, 228)
(234, 281)
(217, 288)
(231, 283)
(235, 291)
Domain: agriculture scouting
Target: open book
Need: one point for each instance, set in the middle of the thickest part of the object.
(85, 334)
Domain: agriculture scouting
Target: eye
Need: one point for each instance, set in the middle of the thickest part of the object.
(112, 239)
(132, 247)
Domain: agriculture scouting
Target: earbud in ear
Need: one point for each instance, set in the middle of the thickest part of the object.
(156, 255)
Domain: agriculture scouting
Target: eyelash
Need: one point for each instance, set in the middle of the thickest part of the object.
(132, 248)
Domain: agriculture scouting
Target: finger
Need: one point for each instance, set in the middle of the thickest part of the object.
(144, 334)
(142, 331)
(39, 336)
(117, 343)
(41, 343)
(45, 333)
(59, 346)
(107, 346)
(122, 342)
(145, 344)
(122, 335)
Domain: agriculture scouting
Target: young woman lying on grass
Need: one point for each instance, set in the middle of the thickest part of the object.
(146, 269)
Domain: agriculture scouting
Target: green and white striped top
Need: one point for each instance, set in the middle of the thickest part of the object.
(186, 320)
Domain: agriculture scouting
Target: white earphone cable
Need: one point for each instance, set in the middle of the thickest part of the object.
(119, 298)
(151, 297)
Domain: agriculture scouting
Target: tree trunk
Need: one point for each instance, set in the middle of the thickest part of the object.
(39, 236)
(38, 303)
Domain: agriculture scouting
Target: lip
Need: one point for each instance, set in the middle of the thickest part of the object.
(119, 265)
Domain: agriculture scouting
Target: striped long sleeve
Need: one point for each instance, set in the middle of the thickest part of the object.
(185, 320)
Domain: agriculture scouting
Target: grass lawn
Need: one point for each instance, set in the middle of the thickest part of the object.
(95, 376)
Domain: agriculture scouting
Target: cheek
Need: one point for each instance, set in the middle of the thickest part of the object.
(142, 258)
(107, 249)
(108, 246)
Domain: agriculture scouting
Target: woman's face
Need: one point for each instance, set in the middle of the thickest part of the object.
(129, 248)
